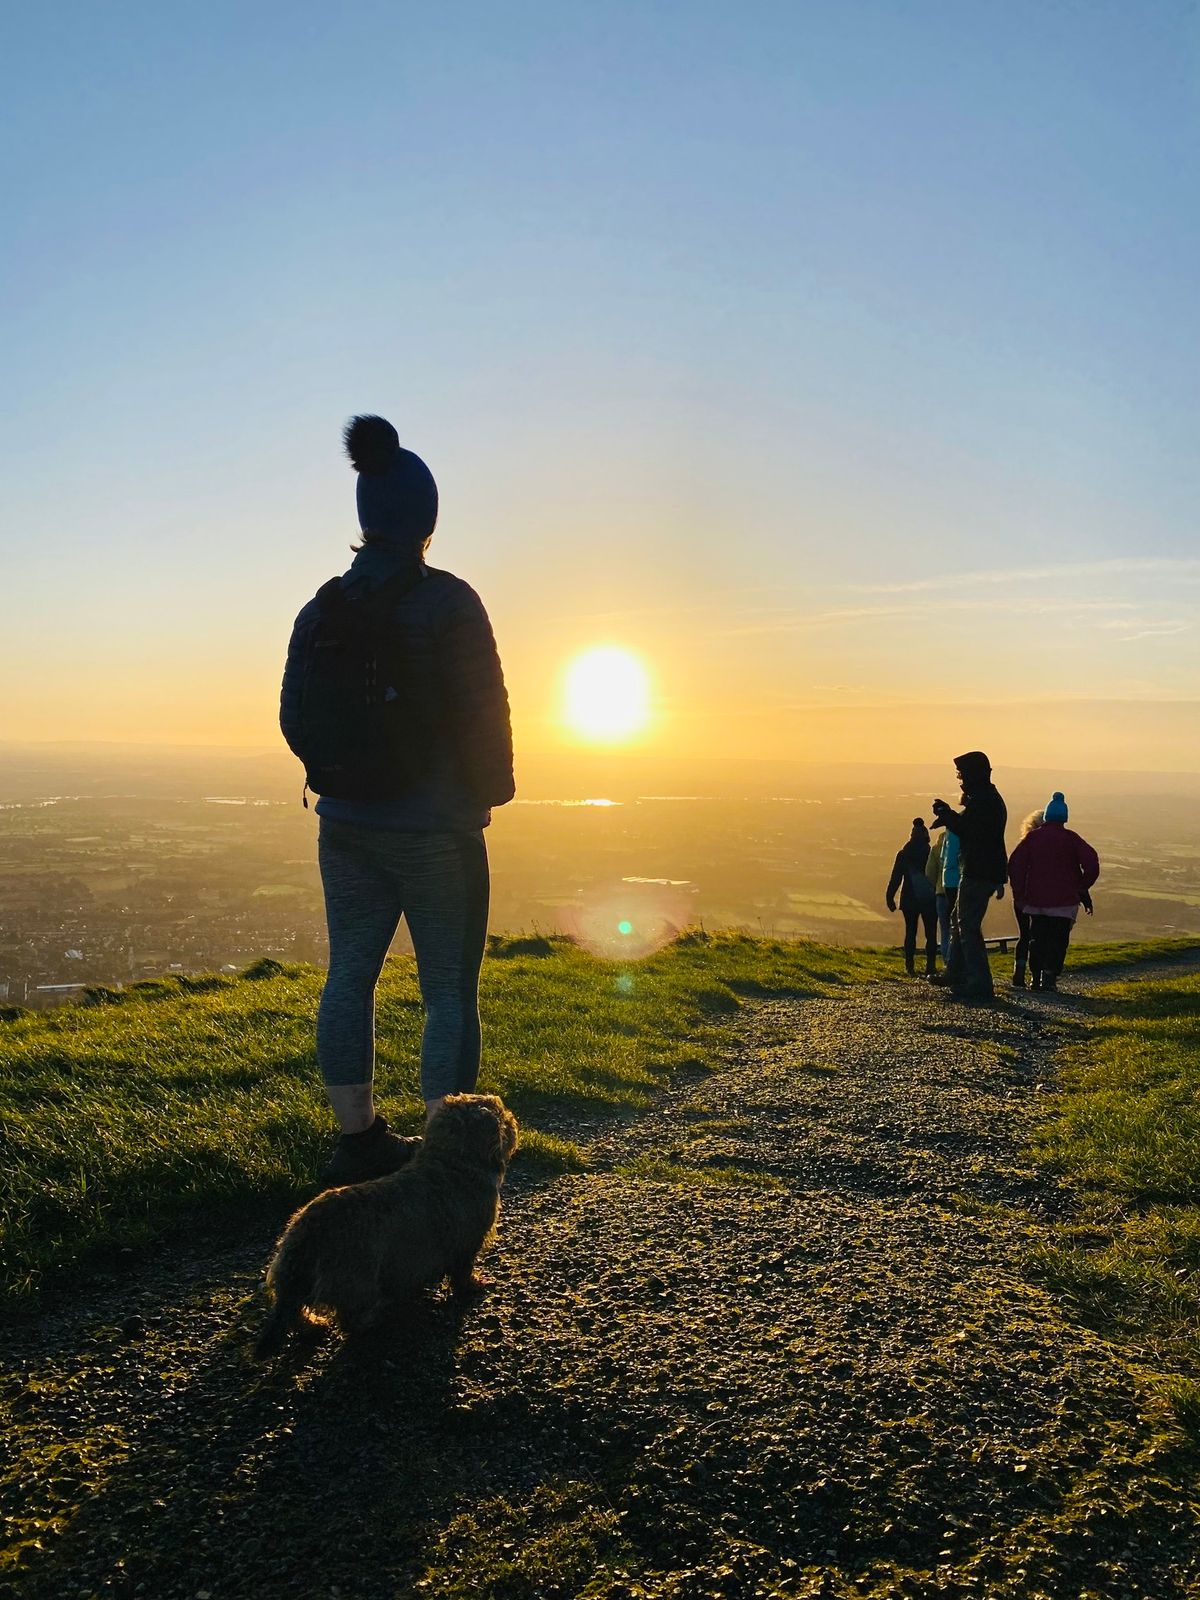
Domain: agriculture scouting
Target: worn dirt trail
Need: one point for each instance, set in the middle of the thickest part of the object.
(805, 1358)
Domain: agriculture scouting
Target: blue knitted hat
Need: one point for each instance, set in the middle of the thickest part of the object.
(397, 497)
(1055, 809)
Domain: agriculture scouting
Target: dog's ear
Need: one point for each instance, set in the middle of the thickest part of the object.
(508, 1135)
(489, 1126)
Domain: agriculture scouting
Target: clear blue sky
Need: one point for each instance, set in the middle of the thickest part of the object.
(740, 313)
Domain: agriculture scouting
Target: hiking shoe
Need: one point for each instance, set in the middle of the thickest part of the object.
(941, 980)
(1050, 981)
(359, 1157)
(1018, 978)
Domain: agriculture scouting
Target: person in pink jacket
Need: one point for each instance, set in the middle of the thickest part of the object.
(1051, 872)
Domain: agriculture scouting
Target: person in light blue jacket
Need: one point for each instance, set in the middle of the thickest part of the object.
(942, 870)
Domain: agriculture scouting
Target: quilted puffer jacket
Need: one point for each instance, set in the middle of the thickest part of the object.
(1052, 866)
(449, 643)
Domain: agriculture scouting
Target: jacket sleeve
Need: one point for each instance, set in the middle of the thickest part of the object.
(1018, 872)
(896, 879)
(1089, 864)
(293, 677)
(477, 700)
(933, 866)
(957, 821)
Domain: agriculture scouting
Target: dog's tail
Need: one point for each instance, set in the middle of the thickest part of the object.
(289, 1277)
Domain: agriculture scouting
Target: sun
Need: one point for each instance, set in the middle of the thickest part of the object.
(607, 695)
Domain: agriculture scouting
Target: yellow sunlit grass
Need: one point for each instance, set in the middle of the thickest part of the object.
(607, 695)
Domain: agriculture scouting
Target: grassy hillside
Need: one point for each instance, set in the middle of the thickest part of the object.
(189, 1101)
(1126, 1134)
(180, 1101)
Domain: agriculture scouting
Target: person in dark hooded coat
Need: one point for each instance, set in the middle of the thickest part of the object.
(983, 861)
(918, 903)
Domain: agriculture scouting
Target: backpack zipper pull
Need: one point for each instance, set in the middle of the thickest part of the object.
(304, 796)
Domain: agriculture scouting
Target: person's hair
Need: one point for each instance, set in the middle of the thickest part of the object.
(1032, 821)
(382, 538)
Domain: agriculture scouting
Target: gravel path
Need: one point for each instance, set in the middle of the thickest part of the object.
(781, 1341)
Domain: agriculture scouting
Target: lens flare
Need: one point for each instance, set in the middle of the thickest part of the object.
(626, 922)
(607, 695)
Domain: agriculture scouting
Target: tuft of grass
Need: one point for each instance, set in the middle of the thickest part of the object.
(1182, 1394)
(562, 1545)
(1125, 1132)
(546, 1153)
(504, 946)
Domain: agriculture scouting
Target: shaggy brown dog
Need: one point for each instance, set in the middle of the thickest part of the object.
(353, 1251)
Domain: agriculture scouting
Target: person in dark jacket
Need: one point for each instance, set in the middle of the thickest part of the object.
(420, 856)
(983, 864)
(1052, 872)
(1024, 925)
(918, 904)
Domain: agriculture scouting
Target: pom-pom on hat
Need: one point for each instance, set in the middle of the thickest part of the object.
(397, 497)
(1056, 808)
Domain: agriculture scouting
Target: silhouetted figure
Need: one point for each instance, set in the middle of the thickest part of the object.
(394, 699)
(1052, 871)
(942, 870)
(1021, 955)
(983, 864)
(916, 898)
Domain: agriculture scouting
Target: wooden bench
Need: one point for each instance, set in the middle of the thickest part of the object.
(1001, 942)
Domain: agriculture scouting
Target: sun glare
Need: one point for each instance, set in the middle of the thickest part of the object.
(607, 695)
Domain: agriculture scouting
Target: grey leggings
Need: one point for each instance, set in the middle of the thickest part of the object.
(439, 882)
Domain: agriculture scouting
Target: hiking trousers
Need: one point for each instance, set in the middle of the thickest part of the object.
(438, 882)
(1048, 941)
(945, 910)
(914, 917)
(967, 969)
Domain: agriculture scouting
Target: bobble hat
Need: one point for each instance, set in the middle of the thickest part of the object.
(1055, 809)
(397, 497)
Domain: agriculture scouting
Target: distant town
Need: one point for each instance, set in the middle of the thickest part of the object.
(110, 888)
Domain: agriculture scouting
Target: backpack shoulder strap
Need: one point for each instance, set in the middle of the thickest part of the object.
(329, 593)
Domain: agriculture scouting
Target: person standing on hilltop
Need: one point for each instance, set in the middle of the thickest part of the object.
(393, 698)
(942, 871)
(983, 869)
(1052, 871)
(1021, 954)
(916, 898)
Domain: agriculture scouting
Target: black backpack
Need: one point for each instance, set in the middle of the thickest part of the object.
(361, 735)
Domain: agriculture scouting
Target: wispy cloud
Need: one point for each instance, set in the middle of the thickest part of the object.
(1124, 613)
(1181, 568)
(1127, 632)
